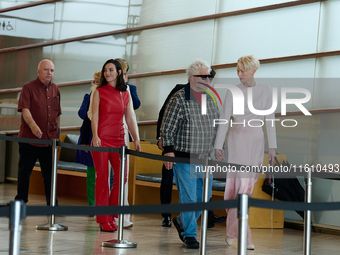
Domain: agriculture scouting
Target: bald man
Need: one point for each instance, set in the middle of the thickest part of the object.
(39, 104)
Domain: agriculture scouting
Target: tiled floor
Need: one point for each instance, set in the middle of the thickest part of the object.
(83, 236)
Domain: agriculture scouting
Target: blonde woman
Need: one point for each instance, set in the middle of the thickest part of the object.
(245, 143)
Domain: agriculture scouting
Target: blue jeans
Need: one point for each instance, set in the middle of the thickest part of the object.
(190, 189)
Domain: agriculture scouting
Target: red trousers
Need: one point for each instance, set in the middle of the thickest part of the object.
(103, 195)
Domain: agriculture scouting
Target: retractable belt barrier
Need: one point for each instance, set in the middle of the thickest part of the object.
(170, 208)
(156, 209)
(296, 171)
(17, 210)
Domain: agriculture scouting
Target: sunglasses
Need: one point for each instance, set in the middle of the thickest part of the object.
(204, 77)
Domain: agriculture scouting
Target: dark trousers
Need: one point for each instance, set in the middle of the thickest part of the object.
(28, 155)
(166, 188)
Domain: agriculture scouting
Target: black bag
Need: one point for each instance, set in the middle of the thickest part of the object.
(284, 189)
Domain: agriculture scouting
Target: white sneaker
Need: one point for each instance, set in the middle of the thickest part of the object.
(127, 224)
(250, 247)
(229, 240)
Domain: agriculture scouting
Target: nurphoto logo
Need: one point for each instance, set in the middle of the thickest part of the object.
(238, 104)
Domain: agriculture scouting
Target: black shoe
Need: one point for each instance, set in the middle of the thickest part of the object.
(210, 225)
(166, 222)
(191, 242)
(179, 228)
(213, 219)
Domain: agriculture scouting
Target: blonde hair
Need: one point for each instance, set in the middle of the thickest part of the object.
(196, 66)
(97, 75)
(249, 62)
(122, 62)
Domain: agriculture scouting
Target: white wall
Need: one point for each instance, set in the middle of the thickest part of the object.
(288, 31)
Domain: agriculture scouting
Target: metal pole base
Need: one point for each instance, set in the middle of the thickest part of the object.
(21, 250)
(52, 227)
(119, 244)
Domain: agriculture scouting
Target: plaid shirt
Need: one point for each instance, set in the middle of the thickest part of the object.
(184, 128)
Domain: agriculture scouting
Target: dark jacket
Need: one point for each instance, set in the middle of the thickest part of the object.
(134, 96)
(161, 112)
(85, 137)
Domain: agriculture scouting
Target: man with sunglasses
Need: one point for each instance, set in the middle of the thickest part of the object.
(167, 175)
(187, 133)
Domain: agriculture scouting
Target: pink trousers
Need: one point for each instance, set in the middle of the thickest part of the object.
(236, 184)
(245, 147)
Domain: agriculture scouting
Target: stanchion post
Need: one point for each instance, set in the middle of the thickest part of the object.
(120, 243)
(54, 178)
(242, 223)
(204, 217)
(121, 191)
(51, 225)
(17, 213)
(308, 215)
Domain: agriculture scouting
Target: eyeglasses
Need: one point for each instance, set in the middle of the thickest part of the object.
(204, 77)
(95, 82)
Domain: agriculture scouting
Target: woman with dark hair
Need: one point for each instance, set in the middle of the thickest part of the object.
(110, 104)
